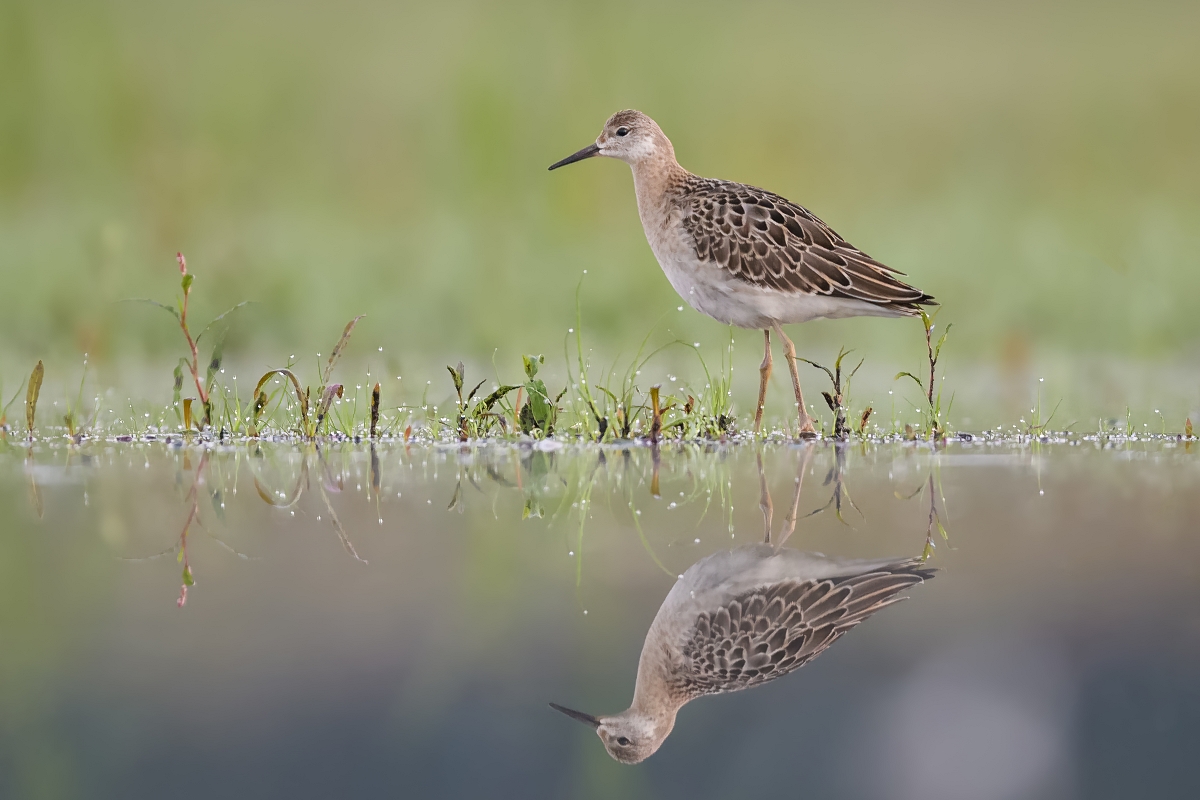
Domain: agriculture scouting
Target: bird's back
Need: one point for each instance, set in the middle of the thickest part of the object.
(762, 240)
(751, 615)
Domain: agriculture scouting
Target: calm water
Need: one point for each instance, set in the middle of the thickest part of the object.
(394, 622)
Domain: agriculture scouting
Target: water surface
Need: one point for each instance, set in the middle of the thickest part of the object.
(393, 621)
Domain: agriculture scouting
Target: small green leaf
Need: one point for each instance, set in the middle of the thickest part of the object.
(186, 282)
(927, 552)
(188, 580)
(539, 405)
(169, 309)
(941, 341)
(486, 403)
(531, 365)
(220, 317)
(821, 367)
(842, 353)
(214, 362)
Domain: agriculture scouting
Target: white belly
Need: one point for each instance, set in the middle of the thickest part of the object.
(711, 290)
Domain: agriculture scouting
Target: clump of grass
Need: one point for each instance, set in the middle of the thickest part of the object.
(837, 399)
(616, 408)
(934, 422)
(309, 424)
(711, 416)
(1037, 426)
(475, 421)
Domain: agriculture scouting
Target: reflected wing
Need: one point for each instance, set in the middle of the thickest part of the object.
(766, 240)
(771, 631)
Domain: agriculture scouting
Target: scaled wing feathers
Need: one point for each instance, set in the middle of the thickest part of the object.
(766, 240)
(771, 631)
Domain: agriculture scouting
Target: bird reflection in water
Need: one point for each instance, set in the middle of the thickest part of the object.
(739, 618)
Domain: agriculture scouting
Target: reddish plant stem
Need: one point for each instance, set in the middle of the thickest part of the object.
(194, 366)
(194, 499)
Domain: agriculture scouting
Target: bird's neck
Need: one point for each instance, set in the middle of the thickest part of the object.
(654, 693)
(656, 180)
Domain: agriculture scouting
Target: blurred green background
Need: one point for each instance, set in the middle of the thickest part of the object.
(1036, 168)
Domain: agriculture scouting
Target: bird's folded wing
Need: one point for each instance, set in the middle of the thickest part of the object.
(773, 630)
(766, 240)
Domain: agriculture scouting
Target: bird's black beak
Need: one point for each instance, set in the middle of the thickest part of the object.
(586, 719)
(592, 149)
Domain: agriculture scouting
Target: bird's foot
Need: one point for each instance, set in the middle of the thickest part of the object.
(807, 431)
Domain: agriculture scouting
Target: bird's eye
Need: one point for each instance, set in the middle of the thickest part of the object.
(623, 741)
(622, 131)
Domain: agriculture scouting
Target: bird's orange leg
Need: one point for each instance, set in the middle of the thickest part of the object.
(807, 431)
(764, 371)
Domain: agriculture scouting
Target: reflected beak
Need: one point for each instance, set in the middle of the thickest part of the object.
(592, 149)
(586, 719)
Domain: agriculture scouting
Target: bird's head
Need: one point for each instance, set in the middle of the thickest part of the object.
(630, 737)
(628, 135)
